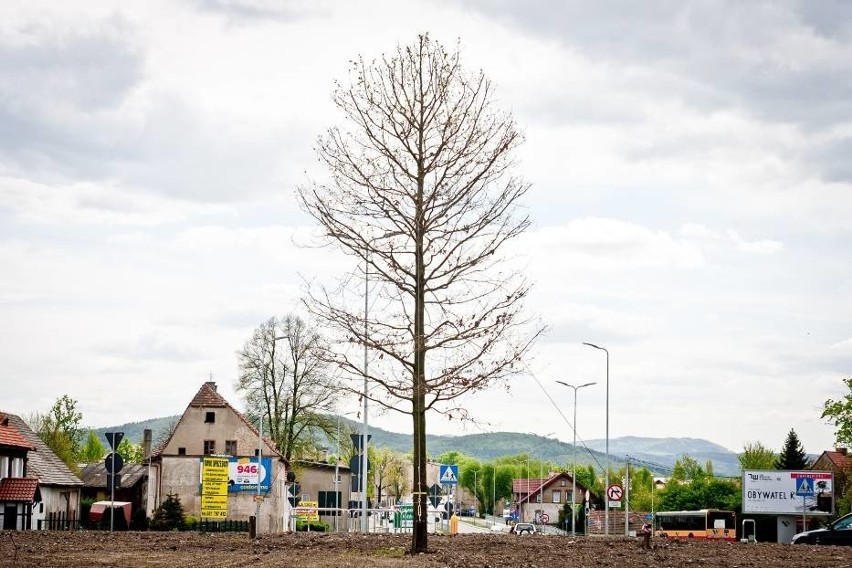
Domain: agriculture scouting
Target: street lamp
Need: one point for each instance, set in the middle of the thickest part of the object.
(606, 474)
(364, 462)
(257, 497)
(475, 500)
(574, 467)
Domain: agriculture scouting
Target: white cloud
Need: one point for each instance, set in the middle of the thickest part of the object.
(690, 197)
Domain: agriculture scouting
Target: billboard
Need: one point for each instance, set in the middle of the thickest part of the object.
(782, 492)
(214, 487)
(243, 474)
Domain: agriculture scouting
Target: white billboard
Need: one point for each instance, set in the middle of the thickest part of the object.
(774, 492)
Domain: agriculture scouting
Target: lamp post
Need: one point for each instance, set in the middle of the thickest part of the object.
(368, 244)
(574, 466)
(606, 473)
(364, 461)
(257, 497)
(475, 500)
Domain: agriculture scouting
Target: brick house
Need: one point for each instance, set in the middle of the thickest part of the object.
(838, 462)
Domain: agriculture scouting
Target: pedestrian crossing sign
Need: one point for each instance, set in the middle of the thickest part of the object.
(804, 487)
(449, 474)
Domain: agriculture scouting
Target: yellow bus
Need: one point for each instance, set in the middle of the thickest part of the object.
(709, 524)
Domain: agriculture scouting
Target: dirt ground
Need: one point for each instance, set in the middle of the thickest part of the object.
(181, 549)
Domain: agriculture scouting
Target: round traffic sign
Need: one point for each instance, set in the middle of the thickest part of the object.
(614, 492)
(113, 462)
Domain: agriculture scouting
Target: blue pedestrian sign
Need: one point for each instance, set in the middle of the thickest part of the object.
(448, 474)
(804, 487)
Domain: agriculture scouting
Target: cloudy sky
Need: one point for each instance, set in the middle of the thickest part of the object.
(691, 200)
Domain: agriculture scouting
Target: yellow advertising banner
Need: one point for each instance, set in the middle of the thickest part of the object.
(214, 488)
(307, 511)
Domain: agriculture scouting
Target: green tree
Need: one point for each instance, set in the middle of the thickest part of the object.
(93, 450)
(792, 455)
(169, 515)
(130, 452)
(60, 430)
(690, 488)
(641, 489)
(839, 413)
(756, 456)
(421, 193)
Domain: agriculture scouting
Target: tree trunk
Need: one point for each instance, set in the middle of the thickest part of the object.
(419, 544)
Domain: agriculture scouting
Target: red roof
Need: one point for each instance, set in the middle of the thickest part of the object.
(10, 437)
(18, 489)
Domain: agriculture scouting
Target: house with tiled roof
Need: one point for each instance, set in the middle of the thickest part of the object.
(210, 426)
(18, 494)
(59, 489)
(539, 500)
(839, 463)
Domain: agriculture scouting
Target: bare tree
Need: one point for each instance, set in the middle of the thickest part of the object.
(422, 195)
(284, 379)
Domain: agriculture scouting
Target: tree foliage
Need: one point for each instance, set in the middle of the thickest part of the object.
(60, 429)
(792, 455)
(690, 488)
(130, 452)
(839, 413)
(756, 456)
(284, 378)
(421, 193)
(169, 515)
(93, 450)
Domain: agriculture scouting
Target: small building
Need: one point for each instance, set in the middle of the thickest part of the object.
(839, 463)
(131, 488)
(540, 500)
(210, 426)
(59, 489)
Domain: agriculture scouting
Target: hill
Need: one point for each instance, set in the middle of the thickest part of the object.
(657, 454)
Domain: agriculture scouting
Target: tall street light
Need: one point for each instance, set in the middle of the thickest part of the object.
(364, 462)
(606, 474)
(475, 500)
(257, 497)
(574, 467)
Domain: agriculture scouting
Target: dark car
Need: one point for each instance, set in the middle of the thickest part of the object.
(838, 533)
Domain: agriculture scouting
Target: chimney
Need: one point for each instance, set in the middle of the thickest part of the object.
(146, 443)
(211, 384)
(843, 451)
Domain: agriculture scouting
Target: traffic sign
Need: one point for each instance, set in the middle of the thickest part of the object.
(804, 487)
(114, 438)
(449, 475)
(113, 463)
(614, 492)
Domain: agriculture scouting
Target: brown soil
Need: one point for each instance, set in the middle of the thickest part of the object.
(200, 550)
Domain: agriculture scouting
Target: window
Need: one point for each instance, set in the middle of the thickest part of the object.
(4, 467)
(181, 451)
(17, 467)
(231, 447)
(209, 447)
(557, 496)
(210, 417)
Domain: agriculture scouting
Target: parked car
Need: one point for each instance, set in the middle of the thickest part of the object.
(521, 528)
(838, 533)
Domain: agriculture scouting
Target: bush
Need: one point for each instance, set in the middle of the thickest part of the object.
(313, 526)
(169, 515)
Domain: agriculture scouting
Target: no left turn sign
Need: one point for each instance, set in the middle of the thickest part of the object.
(614, 492)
